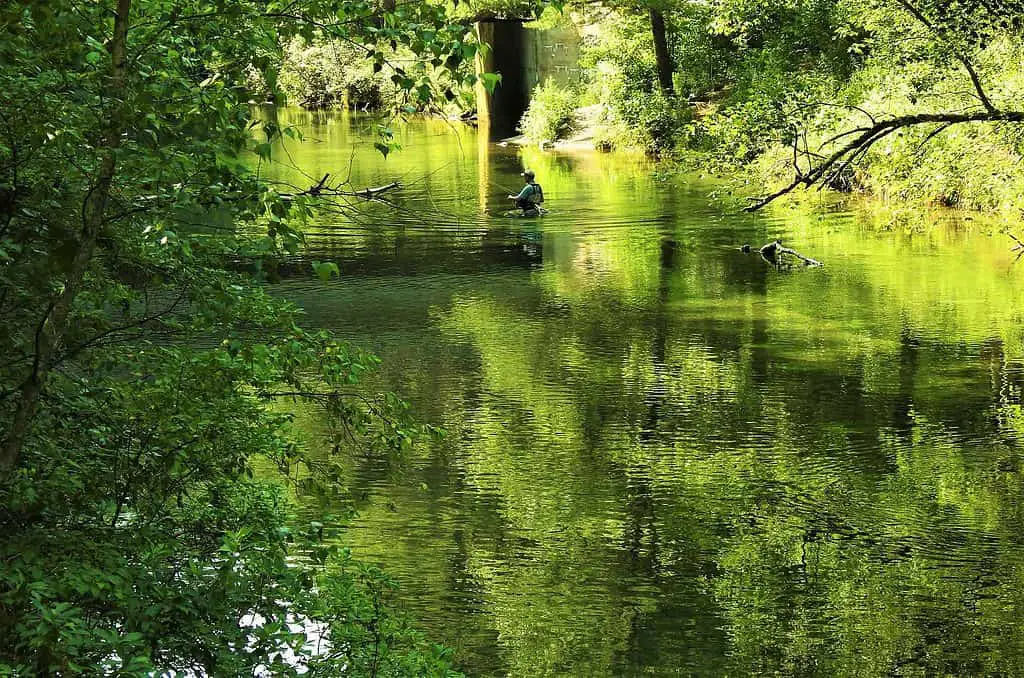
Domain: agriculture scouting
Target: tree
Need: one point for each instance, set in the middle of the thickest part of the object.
(141, 353)
(662, 55)
(655, 11)
(941, 34)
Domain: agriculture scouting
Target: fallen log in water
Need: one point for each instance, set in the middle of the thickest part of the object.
(373, 192)
(773, 253)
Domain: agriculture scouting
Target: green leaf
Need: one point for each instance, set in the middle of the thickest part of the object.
(326, 270)
(490, 81)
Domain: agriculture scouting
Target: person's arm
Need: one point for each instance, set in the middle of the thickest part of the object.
(524, 194)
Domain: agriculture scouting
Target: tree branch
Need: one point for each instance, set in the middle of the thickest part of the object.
(70, 353)
(842, 157)
(957, 54)
(1019, 247)
(320, 190)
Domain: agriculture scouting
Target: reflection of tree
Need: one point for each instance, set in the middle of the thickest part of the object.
(663, 456)
(903, 417)
(834, 569)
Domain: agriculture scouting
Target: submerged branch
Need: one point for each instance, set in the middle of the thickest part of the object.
(373, 192)
(807, 260)
(773, 251)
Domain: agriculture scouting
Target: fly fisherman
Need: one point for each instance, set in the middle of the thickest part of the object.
(530, 198)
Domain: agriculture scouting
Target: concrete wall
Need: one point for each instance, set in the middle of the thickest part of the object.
(525, 57)
(552, 54)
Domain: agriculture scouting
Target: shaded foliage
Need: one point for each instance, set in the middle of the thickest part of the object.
(142, 353)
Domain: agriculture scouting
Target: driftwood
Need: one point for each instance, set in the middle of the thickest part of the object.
(774, 252)
(374, 192)
(322, 188)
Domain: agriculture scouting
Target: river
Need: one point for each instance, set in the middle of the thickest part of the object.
(664, 456)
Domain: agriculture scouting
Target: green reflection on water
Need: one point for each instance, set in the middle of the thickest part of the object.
(666, 457)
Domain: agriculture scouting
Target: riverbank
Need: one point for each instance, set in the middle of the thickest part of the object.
(582, 132)
(774, 98)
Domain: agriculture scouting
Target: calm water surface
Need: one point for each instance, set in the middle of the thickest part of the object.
(666, 457)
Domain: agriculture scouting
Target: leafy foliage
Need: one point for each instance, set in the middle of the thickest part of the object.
(328, 72)
(623, 77)
(938, 87)
(766, 78)
(143, 354)
(319, 75)
(551, 113)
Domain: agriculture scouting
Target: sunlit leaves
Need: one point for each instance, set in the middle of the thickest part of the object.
(490, 80)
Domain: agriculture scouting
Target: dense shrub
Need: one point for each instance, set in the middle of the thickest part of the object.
(550, 115)
(652, 121)
(973, 166)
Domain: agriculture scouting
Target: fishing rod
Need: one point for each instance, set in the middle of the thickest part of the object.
(495, 184)
(491, 184)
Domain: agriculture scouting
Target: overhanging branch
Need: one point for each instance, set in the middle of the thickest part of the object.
(866, 136)
(842, 157)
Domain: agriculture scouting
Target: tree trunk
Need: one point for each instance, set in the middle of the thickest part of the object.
(54, 323)
(661, 52)
(387, 7)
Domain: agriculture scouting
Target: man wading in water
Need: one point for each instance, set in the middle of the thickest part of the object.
(530, 198)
